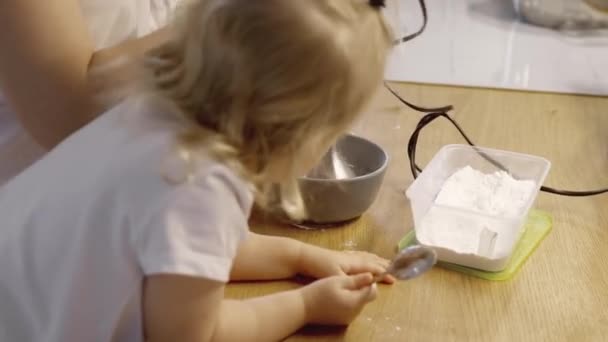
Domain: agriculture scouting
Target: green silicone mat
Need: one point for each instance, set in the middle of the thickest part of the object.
(537, 227)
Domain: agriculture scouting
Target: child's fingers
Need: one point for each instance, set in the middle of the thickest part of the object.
(365, 294)
(373, 292)
(358, 281)
(384, 262)
(389, 279)
(374, 258)
(369, 256)
(364, 267)
(366, 262)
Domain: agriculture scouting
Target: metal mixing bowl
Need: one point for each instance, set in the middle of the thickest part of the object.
(333, 199)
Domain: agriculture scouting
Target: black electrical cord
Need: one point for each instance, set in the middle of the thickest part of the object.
(425, 20)
(433, 113)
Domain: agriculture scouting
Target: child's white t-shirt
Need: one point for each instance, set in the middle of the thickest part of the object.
(83, 226)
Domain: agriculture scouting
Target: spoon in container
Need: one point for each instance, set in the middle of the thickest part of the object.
(409, 263)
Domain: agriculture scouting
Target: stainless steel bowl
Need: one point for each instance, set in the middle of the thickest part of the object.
(564, 14)
(331, 198)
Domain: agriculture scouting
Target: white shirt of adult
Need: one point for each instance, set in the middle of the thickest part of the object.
(83, 226)
(110, 22)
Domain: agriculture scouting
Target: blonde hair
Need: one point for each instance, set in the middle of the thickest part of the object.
(266, 81)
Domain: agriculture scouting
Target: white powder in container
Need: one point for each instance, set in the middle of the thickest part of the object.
(498, 196)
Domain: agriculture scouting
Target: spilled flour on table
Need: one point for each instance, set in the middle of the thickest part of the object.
(350, 245)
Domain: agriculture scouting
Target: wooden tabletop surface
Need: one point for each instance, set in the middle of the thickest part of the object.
(560, 294)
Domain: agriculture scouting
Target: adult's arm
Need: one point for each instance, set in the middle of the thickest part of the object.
(46, 55)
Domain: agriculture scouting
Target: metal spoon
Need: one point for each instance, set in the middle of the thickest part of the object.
(410, 262)
(332, 166)
(341, 168)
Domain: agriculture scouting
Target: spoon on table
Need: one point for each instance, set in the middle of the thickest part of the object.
(409, 263)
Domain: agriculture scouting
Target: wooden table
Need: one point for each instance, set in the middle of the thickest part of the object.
(561, 293)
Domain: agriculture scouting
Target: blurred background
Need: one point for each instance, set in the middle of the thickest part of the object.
(556, 46)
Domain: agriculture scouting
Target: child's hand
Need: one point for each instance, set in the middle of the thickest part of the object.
(338, 300)
(320, 263)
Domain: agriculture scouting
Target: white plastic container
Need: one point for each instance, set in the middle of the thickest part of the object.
(447, 161)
